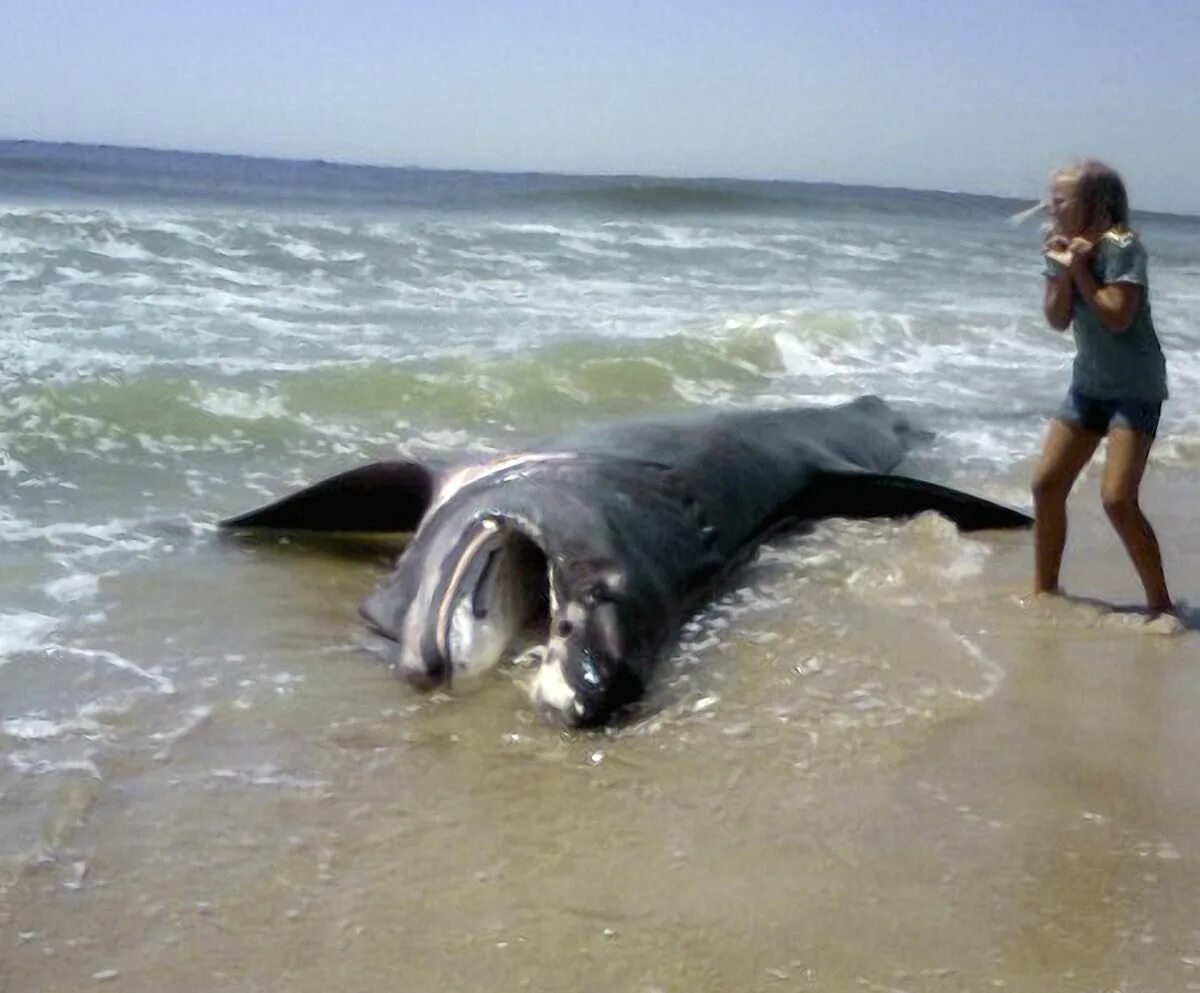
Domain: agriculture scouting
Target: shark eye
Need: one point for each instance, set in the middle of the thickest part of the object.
(565, 628)
(596, 594)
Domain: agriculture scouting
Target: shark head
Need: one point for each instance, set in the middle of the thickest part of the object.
(474, 589)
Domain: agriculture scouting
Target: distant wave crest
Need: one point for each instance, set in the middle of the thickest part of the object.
(41, 169)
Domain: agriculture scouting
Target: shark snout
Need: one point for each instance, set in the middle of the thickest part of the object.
(555, 698)
(423, 669)
(581, 692)
(428, 675)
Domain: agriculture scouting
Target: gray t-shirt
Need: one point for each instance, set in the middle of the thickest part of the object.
(1116, 365)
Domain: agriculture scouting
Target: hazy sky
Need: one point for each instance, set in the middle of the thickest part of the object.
(985, 97)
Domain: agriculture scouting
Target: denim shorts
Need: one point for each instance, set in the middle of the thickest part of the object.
(1100, 416)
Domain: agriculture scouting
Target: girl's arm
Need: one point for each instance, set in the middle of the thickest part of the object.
(1114, 303)
(1058, 304)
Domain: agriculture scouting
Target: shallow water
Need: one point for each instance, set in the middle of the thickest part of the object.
(1001, 797)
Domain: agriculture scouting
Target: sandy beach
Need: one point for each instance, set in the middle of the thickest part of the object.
(781, 824)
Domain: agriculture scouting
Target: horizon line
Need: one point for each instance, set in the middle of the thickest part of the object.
(358, 164)
(685, 177)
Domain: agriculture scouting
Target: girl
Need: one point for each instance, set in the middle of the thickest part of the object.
(1096, 283)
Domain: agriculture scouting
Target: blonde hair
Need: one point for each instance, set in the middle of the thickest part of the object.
(1099, 188)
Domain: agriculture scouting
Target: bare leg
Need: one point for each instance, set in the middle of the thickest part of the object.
(1128, 451)
(1067, 450)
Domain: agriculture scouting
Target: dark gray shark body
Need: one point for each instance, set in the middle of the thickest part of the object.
(606, 540)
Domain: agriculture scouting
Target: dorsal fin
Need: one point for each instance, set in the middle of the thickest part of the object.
(380, 497)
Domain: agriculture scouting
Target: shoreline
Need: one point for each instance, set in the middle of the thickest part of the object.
(1034, 830)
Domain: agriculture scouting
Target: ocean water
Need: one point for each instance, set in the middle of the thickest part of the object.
(185, 336)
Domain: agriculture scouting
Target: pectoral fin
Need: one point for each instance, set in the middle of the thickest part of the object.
(877, 495)
(381, 497)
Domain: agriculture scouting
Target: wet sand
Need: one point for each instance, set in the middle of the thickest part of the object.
(988, 794)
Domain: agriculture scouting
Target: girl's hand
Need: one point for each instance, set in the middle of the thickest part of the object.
(1081, 253)
(1057, 247)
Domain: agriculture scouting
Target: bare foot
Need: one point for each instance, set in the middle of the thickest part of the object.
(1032, 598)
(1165, 622)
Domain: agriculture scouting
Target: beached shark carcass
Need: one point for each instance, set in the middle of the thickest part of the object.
(606, 539)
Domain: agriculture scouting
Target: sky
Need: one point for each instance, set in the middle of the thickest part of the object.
(977, 97)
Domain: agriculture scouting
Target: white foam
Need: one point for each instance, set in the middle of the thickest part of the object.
(1178, 441)
(879, 252)
(299, 249)
(32, 765)
(34, 728)
(9, 466)
(23, 631)
(198, 717)
(112, 247)
(268, 775)
(242, 406)
(805, 358)
(990, 670)
(161, 683)
(79, 539)
(74, 588)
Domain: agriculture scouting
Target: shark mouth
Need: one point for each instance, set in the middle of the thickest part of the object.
(496, 604)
